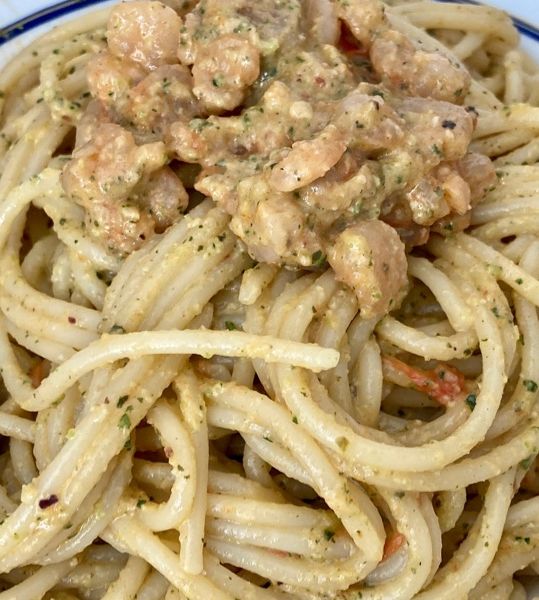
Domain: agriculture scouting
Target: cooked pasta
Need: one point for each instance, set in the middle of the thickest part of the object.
(269, 278)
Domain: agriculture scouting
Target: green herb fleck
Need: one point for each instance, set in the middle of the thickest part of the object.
(525, 539)
(329, 534)
(318, 258)
(530, 385)
(526, 462)
(471, 401)
(124, 422)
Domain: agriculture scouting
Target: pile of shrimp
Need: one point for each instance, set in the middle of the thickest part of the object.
(324, 133)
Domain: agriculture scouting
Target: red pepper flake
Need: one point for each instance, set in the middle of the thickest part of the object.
(46, 502)
(320, 81)
(72, 320)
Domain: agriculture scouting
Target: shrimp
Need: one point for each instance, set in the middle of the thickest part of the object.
(478, 172)
(443, 383)
(165, 197)
(364, 19)
(110, 78)
(95, 115)
(144, 32)
(456, 191)
(370, 122)
(223, 70)
(321, 74)
(426, 201)
(186, 142)
(308, 160)
(369, 257)
(440, 130)
(351, 189)
(264, 24)
(111, 164)
(442, 191)
(161, 98)
(416, 72)
(102, 175)
(258, 130)
(446, 189)
(272, 224)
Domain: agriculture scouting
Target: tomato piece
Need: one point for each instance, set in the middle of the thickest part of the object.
(348, 43)
(444, 383)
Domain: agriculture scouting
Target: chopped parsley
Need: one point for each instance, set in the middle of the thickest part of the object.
(526, 462)
(328, 534)
(530, 385)
(318, 258)
(471, 401)
(525, 539)
(124, 422)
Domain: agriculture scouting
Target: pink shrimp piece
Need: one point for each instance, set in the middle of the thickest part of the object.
(145, 32)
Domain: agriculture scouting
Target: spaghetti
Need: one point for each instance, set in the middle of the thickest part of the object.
(268, 290)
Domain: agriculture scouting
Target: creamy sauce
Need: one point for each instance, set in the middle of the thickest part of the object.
(326, 135)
